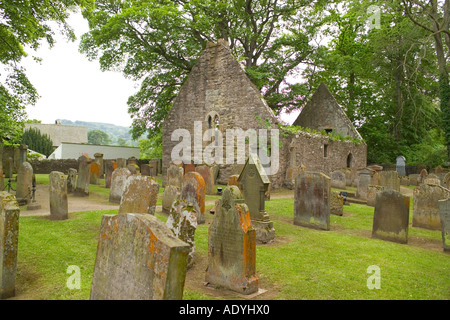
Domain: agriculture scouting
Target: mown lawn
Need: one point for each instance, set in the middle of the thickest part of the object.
(302, 263)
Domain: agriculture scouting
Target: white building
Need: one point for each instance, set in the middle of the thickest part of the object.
(61, 133)
(68, 150)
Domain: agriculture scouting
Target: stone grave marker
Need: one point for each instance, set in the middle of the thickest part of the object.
(138, 258)
(121, 162)
(400, 166)
(99, 160)
(233, 180)
(446, 183)
(24, 183)
(372, 194)
(207, 172)
(444, 212)
(422, 175)
(254, 184)
(110, 166)
(84, 165)
(118, 180)
(232, 245)
(9, 239)
(391, 216)
(426, 206)
(71, 180)
(170, 194)
(182, 221)
(193, 191)
(188, 167)
(390, 180)
(413, 179)
(336, 203)
(312, 200)
(59, 206)
(94, 173)
(175, 175)
(338, 179)
(140, 194)
(364, 180)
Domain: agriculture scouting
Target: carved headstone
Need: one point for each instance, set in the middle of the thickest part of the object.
(138, 258)
(422, 175)
(193, 191)
(400, 166)
(338, 179)
(413, 179)
(118, 180)
(9, 238)
(444, 211)
(140, 194)
(372, 194)
(99, 160)
(24, 183)
(254, 184)
(110, 166)
(71, 180)
(121, 162)
(170, 194)
(175, 175)
(312, 200)
(364, 180)
(232, 245)
(336, 203)
(426, 206)
(59, 206)
(391, 216)
(84, 166)
(94, 173)
(390, 180)
(207, 172)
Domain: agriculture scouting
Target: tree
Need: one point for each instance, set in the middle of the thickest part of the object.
(37, 141)
(23, 24)
(98, 137)
(158, 41)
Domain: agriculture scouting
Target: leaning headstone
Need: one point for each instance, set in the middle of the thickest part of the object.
(138, 258)
(140, 194)
(336, 203)
(94, 173)
(444, 212)
(400, 166)
(364, 180)
(193, 191)
(9, 238)
(59, 206)
(232, 245)
(254, 184)
(312, 200)
(207, 172)
(71, 180)
(426, 206)
(175, 175)
(84, 166)
(170, 194)
(391, 216)
(338, 179)
(390, 180)
(24, 183)
(182, 221)
(118, 180)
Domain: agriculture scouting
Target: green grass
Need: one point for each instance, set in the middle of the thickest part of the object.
(302, 263)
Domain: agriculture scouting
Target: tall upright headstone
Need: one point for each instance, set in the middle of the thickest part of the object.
(138, 258)
(9, 238)
(400, 166)
(338, 179)
(207, 172)
(390, 180)
(84, 168)
(99, 160)
(232, 245)
(422, 176)
(110, 166)
(121, 162)
(193, 191)
(364, 180)
(71, 180)
(444, 212)
(24, 183)
(94, 173)
(426, 206)
(446, 183)
(59, 206)
(175, 175)
(118, 180)
(254, 184)
(391, 216)
(140, 194)
(312, 200)
(170, 194)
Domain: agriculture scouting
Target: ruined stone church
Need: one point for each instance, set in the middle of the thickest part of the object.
(219, 95)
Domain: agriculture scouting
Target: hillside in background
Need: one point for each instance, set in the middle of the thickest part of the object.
(114, 132)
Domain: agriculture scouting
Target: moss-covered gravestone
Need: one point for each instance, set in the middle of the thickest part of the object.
(254, 184)
(118, 180)
(9, 238)
(59, 206)
(24, 183)
(84, 168)
(193, 191)
(139, 195)
(175, 175)
(364, 180)
(312, 200)
(170, 194)
(444, 211)
(391, 216)
(232, 245)
(138, 258)
(426, 206)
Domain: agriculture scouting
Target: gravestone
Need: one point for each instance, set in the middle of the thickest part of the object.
(175, 175)
(207, 172)
(232, 245)
(9, 239)
(413, 179)
(438, 170)
(404, 181)
(148, 170)
(375, 178)
(444, 212)
(422, 175)
(138, 258)
(293, 169)
(426, 206)
(336, 203)
(432, 180)
(99, 160)
(364, 180)
(121, 162)
(134, 168)
(71, 180)
(110, 166)
(23, 149)
(8, 166)
(390, 180)
(94, 173)
(193, 191)
(170, 194)
(24, 183)
(338, 179)
(446, 183)
(254, 184)
(182, 221)
(118, 180)
(140, 194)
(59, 206)
(84, 165)
(233, 180)
(372, 194)
(188, 167)
(312, 200)
(391, 216)
(400, 166)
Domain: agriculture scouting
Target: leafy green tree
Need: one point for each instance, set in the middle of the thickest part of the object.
(23, 24)
(98, 137)
(37, 141)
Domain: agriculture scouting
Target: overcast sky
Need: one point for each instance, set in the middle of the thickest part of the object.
(73, 88)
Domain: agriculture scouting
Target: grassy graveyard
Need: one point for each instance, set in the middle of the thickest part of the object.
(301, 263)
